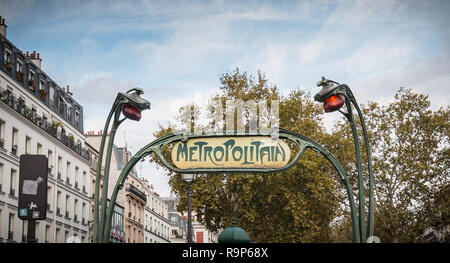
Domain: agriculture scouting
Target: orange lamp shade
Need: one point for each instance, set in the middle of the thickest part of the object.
(131, 112)
(334, 102)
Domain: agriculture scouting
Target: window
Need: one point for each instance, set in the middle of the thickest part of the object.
(11, 226)
(7, 56)
(15, 133)
(67, 205)
(84, 182)
(49, 197)
(12, 188)
(27, 145)
(36, 231)
(42, 84)
(68, 175)
(50, 159)
(58, 202)
(2, 134)
(19, 66)
(69, 112)
(1, 178)
(75, 209)
(77, 118)
(51, 94)
(47, 233)
(57, 235)
(83, 212)
(61, 106)
(39, 148)
(31, 78)
(77, 171)
(59, 166)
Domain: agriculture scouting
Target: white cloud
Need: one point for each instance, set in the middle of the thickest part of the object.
(177, 50)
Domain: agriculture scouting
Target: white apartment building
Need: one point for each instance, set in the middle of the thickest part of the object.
(156, 221)
(39, 117)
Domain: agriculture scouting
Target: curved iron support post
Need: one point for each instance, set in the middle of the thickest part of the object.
(135, 100)
(361, 202)
(95, 226)
(112, 135)
(302, 142)
(343, 89)
(369, 165)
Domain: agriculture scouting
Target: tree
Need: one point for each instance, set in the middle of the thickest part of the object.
(293, 206)
(410, 152)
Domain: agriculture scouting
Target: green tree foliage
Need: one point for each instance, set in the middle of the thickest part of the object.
(410, 152)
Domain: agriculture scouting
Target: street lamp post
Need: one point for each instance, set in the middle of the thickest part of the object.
(334, 96)
(189, 179)
(131, 105)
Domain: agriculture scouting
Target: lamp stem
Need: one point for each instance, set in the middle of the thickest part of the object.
(361, 202)
(95, 226)
(189, 195)
(115, 125)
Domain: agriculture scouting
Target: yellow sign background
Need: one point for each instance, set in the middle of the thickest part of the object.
(231, 152)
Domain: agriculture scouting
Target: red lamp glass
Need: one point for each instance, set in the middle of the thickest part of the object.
(131, 112)
(334, 102)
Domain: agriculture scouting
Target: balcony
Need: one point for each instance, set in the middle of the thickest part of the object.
(138, 193)
(12, 192)
(10, 235)
(19, 106)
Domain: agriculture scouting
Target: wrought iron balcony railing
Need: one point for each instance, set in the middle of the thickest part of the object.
(132, 189)
(19, 106)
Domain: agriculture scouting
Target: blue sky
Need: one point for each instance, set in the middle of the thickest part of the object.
(176, 50)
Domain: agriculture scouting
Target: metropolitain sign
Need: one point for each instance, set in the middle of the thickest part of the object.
(231, 152)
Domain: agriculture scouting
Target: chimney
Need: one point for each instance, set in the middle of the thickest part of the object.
(2, 27)
(35, 59)
(68, 92)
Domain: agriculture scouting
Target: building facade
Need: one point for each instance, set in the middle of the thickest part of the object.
(39, 117)
(117, 234)
(178, 225)
(156, 224)
(203, 235)
(134, 210)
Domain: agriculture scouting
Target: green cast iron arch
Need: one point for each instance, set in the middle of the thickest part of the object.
(301, 141)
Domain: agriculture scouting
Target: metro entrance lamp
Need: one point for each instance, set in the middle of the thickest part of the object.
(334, 96)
